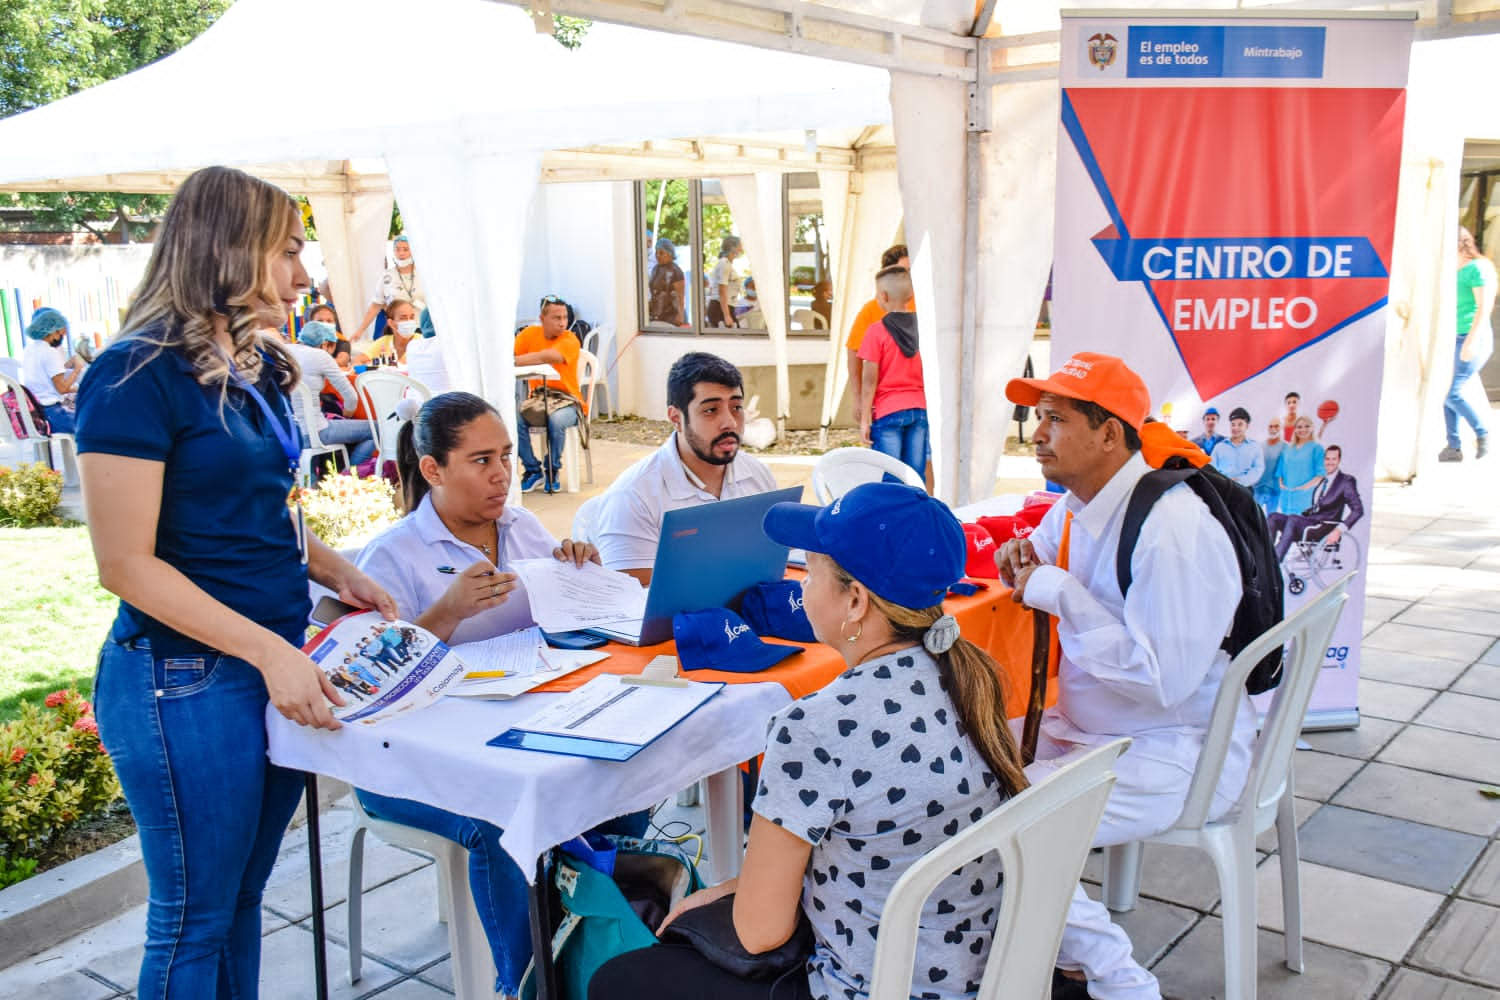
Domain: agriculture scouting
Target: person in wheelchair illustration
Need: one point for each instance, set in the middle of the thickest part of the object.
(1317, 544)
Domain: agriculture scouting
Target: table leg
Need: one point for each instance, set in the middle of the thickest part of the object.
(725, 822)
(540, 892)
(315, 883)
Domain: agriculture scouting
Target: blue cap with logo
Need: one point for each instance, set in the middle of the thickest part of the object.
(775, 608)
(904, 545)
(719, 639)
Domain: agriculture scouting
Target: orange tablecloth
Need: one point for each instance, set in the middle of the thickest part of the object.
(990, 619)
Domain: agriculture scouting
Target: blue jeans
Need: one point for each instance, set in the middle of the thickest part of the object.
(1455, 404)
(59, 418)
(355, 433)
(497, 883)
(187, 737)
(558, 422)
(902, 435)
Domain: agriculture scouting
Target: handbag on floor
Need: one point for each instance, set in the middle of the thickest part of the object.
(603, 915)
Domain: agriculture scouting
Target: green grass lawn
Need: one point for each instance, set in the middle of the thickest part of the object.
(53, 614)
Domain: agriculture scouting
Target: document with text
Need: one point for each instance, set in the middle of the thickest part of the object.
(565, 597)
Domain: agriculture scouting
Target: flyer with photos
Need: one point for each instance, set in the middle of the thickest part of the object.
(382, 668)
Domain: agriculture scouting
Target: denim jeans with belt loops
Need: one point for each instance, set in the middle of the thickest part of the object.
(187, 736)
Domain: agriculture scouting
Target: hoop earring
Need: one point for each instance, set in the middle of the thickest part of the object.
(855, 636)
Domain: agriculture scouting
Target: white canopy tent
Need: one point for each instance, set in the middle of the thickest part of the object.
(463, 141)
(489, 106)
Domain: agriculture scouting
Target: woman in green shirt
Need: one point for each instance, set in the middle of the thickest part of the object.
(1476, 339)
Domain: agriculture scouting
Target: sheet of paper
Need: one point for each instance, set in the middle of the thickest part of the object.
(605, 709)
(565, 597)
(560, 663)
(515, 652)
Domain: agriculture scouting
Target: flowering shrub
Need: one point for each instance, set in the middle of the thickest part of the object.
(29, 495)
(346, 509)
(53, 773)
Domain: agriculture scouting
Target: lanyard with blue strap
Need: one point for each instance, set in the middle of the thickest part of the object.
(289, 439)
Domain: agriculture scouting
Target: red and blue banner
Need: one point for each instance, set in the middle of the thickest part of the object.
(1226, 208)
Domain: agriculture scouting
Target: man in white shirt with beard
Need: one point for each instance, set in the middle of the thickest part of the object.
(1147, 666)
(700, 463)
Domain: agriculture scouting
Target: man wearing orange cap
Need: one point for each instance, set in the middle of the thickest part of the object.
(1147, 666)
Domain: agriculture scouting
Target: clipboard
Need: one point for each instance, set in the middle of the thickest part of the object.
(580, 725)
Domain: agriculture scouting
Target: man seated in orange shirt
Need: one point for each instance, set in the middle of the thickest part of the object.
(550, 342)
(869, 313)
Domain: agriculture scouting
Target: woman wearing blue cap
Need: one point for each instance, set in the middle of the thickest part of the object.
(861, 779)
(47, 371)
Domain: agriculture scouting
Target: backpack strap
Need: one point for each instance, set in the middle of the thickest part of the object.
(1148, 489)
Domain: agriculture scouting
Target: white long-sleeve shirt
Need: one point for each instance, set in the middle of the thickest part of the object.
(1148, 666)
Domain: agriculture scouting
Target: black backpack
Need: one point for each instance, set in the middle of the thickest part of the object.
(1233, 506)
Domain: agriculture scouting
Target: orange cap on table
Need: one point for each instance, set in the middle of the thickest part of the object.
(1094, 378)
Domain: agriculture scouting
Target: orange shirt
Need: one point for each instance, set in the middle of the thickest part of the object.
(532, 339)
(868, 314)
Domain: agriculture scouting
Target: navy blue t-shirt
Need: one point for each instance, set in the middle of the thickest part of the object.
(223, 521)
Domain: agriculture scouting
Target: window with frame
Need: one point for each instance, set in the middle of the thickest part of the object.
(696, 273)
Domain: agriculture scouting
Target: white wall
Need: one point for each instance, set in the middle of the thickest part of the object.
(646, 360)
(570, 250)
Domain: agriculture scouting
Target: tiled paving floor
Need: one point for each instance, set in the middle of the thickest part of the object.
(1401, 867)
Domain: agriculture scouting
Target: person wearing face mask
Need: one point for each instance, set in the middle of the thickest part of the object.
(401, 326)
(397, 282)
(46, 369)
(700, 463)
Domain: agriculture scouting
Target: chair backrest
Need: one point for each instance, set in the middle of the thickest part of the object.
(1307, 631)
(381, 391)
(842, 469)
(806, 319)
(585, 520)
(589, 376)
(598, 340)
(1043, 837)
(305, 405)
(23, 408)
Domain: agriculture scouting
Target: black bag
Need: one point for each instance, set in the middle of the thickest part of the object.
(1234, 507)
(709, 929)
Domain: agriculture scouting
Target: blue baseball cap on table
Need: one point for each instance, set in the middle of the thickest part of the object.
(775, 608)
(719, 639)
(904, 545)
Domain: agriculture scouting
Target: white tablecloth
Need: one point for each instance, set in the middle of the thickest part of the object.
(438, 756)
(995, 506)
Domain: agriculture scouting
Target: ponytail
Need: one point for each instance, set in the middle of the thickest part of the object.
(434, 431)
(413, 484)
(971, 678)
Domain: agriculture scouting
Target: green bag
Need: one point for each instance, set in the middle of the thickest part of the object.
(598, 922)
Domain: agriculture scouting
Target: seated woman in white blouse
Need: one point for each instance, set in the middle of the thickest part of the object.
(445, 565)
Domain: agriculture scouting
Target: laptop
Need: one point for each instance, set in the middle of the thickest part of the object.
(707, 557)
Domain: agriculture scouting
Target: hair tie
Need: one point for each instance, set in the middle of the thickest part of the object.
(941, 635)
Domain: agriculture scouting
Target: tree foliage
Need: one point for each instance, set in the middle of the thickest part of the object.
(52, 48)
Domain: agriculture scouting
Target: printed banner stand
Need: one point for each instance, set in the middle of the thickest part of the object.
(1226, 206)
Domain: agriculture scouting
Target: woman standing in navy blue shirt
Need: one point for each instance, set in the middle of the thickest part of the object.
(187, 454)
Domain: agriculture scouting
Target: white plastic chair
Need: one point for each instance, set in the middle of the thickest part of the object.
(1267, 798)
(41, 445)
(842, 469)
(473, 965)
(381, 390)
(585, 520)
(597, 345)
(806, 319)
(308, 412)
(1043, 836)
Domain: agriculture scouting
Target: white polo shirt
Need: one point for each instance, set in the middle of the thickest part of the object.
(630, 511)
(404, 559)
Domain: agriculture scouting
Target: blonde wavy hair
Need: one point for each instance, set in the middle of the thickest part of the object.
(210, 259)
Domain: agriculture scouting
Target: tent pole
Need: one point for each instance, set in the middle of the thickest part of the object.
(969, 330)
